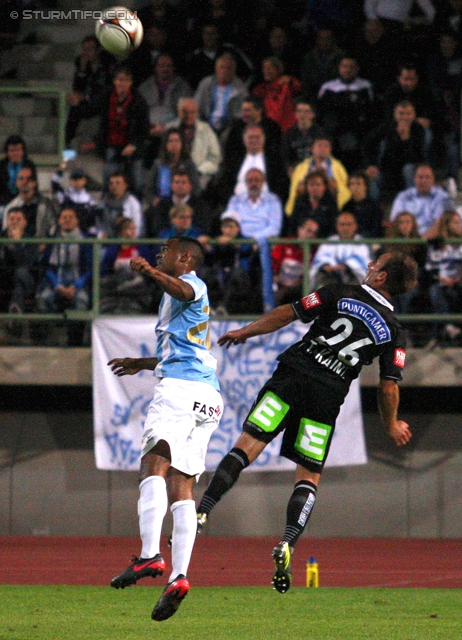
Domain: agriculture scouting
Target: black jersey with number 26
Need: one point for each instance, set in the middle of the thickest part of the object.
(352, 326)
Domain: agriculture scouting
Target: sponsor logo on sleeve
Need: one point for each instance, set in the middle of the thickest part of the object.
(313, 300)
(400, 357)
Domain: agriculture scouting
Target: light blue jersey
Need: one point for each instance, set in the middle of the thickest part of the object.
(183, 337)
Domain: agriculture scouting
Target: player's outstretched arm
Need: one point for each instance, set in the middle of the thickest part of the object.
(388, 401)
(271, 321)
(175, 287)
(131, 366)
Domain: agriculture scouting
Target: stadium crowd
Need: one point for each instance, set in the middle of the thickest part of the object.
(252, 121)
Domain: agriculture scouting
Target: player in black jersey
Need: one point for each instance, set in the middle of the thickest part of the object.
(352, 326)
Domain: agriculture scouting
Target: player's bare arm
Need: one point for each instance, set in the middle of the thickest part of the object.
(175, 287)
(131, 366)
(388, 401)
(271, 321)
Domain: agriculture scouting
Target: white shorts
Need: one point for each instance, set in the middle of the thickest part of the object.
(184, 413)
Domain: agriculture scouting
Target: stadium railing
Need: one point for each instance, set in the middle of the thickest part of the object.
(98, 245)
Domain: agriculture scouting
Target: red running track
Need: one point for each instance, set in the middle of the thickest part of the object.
(343, 562)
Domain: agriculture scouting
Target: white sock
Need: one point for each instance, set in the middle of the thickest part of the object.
(184, 535)
(152, 507)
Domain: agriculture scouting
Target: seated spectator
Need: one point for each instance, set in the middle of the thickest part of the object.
(288, 262)
(284, 48)
(444, 263)
(394, 151)
(219, 96)
(298, 140)
(75, 196)
(141, 61)
(367, 211)
(227, 270)
(173, 156)
(156, 217)
(231, 178)
(347, 112)
(321, 158)
(200, 140)
(405, 226)
(18, 266)
(39, 210)
(67, 280)
(341, 263)
(317, 203)
(92, 77)
(278, 92)
(162, 91)
(123, 128)
(201, 62)
(253, 112)
(259, 209)
(181, 224)
(15, 159)
(425, 201)
(320, 64)
(118, 202)
(122, 290)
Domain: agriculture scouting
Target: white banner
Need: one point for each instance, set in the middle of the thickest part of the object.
(121, 404)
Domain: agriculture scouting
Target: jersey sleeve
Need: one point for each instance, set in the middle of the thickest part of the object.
(196, 283)
(312, 305)
(391, 361)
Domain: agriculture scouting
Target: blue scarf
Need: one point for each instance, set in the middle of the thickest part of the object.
(13, 170)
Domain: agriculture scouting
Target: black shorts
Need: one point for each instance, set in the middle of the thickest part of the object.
(303, 408)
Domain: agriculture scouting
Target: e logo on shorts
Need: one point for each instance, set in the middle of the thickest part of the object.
(269, 412)
(312, 439)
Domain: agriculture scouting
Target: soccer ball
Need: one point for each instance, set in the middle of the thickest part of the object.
(119, 31)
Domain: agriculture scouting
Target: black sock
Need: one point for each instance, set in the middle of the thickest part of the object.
(298, 510)
(225, 476)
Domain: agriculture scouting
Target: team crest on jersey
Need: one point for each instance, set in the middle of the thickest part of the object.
(218, 411)
(400, 357)
(312, 300)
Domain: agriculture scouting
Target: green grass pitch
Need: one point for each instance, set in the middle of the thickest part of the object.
(230, 613)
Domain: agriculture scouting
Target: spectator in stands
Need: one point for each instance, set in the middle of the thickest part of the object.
(18, 265)
(347, 112)
(408, 86)
(259, 209)
(141, 61)
(124, 127)
(118, 202)
(162, 91)
(284, 48)
(320, 64)
(288, 262)
(341, 263)
(122, 289)
(201, 62)
(367, 211)
(181, 224)
(39, 210)
(278, 92)
(231, 178)
(15, 159)
(92, 77)
(393, 151)
(75, 196)
(172, 157)
(321, 158)
(227, 270)
(298, 140)
(444, 262)
(156, 217)
(220, 95)
(67, 279)
(317, 203)
(199, 139)
(253, 112)
(425, 201)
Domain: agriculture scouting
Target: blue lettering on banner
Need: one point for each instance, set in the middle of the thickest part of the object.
(123, 454)
(368, 315)
(121, 416)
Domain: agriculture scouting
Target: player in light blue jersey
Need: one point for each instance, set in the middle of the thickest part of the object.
(185, 410)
